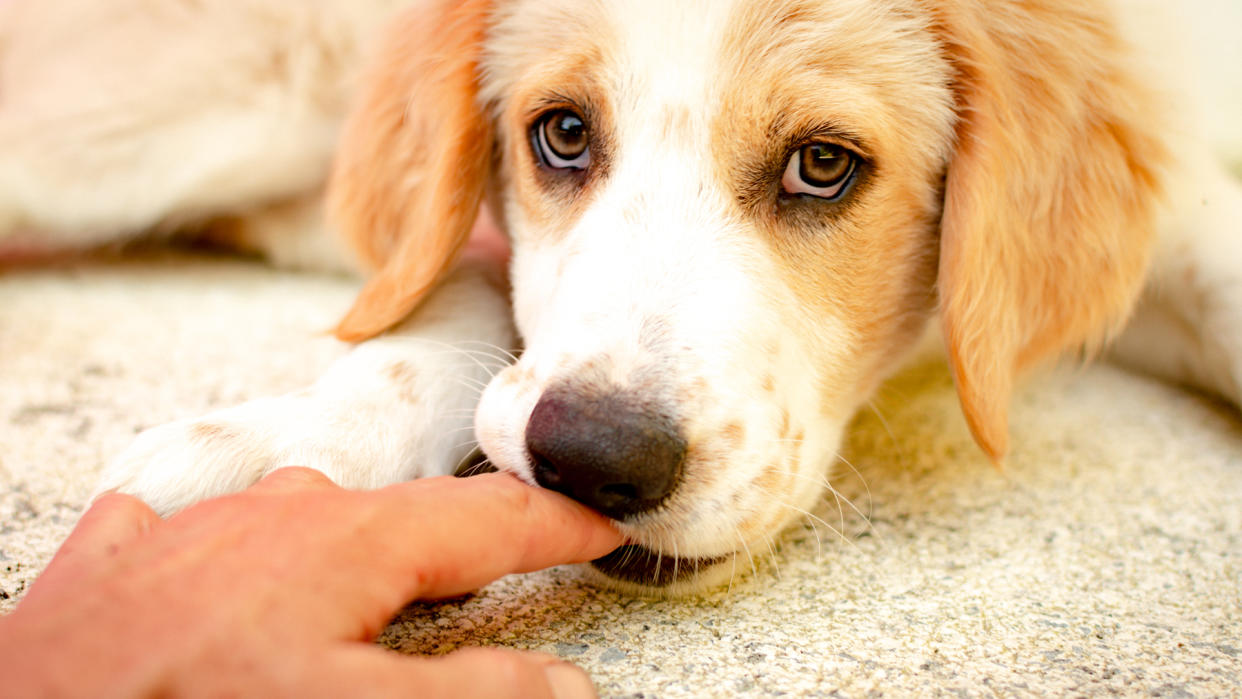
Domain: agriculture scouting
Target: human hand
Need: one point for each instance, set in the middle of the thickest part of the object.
(279, 589)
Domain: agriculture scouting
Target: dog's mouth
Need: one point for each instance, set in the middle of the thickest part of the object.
(642, 566)
(632, 563)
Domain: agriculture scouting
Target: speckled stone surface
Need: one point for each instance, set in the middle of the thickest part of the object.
(1107, 559)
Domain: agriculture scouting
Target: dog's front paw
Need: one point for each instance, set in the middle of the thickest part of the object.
(177, 464)
(359, 438)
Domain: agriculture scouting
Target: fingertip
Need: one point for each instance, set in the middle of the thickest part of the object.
(592, 533)
(568, 681)
(290, 478)
(457, 534)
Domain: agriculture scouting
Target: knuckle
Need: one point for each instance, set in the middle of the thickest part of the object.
(116, 504)
(297, 476)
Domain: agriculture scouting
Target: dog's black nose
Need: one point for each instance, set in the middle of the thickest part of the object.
(605, 452)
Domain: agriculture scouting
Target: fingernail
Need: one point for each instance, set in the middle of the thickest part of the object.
(569, 682)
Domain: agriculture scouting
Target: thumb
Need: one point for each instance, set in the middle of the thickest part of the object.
(488, 673)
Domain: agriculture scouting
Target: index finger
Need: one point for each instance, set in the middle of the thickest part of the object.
(471, 531)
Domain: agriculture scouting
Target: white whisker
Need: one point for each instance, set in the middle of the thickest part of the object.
(471, 383)
(504, 353)
(772, 557)
(862, 480)
(875, 408)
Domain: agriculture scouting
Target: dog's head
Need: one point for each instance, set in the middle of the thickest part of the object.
(730, 219)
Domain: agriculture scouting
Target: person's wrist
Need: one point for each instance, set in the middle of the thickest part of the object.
(27, 660)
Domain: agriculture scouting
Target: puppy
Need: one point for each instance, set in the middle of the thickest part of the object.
(729, 221)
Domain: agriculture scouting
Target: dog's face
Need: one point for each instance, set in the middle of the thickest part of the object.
(729, 220)
(723, 220)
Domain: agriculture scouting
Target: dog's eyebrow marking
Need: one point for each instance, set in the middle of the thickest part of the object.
(557, 100)
(829, 131)
(798, 125)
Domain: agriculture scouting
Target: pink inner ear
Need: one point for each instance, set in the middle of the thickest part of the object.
(486, 242)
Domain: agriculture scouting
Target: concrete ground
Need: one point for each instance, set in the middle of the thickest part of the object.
(1106, 559)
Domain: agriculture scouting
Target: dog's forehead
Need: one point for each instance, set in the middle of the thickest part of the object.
(670, 47)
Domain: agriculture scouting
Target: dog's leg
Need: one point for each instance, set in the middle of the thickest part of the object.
(398, 407)
(291, 234)
(128, 117)
(1188, 325)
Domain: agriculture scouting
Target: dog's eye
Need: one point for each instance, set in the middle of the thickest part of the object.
(822, 170)
(562, 139)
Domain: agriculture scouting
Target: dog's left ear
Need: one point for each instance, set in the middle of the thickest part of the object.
(1047, 219)
(413, 160)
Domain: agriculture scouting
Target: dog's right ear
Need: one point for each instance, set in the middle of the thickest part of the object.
(413, 160)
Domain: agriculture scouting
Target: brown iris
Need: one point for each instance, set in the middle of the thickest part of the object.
(820, 170)
(824, 165)
(563, 140)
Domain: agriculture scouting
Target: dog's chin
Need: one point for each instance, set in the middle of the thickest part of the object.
(637, 569)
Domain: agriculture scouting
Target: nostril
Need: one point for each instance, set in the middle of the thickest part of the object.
(615, 496)
(546, 475)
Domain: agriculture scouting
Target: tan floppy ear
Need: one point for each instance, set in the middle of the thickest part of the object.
(413, 160)
(1047, 219)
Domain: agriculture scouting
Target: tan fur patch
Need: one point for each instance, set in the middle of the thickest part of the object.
(786, 422)
(769, 383)
(404, 378)
(210, 431)
(772, 480)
